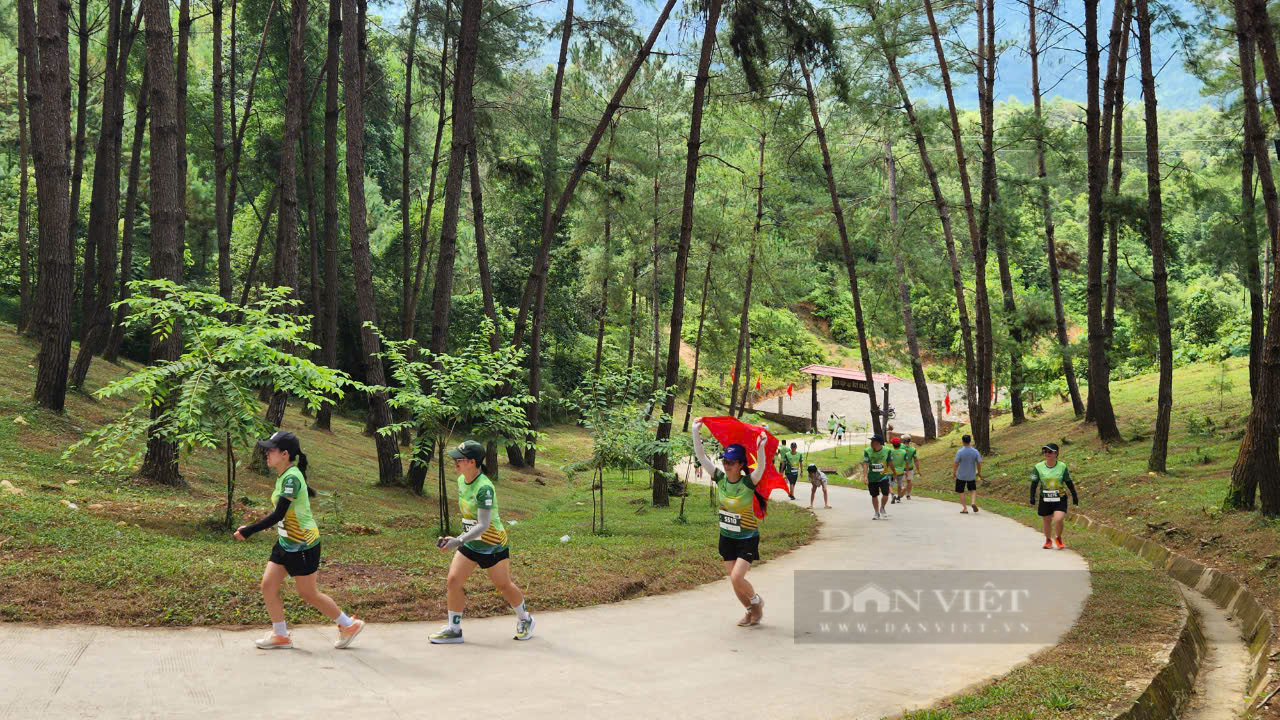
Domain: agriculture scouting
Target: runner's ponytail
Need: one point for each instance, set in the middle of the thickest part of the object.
(302, 468)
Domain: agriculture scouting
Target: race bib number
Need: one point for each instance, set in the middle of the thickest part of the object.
(281, 531)
(730, 521)
(877, 467)
(467, 525)
(1051, 496)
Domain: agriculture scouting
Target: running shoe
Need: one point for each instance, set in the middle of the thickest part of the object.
(975, 508)
(446, 636)
(1061, 545)
(524, 628)
(1048, 545)
(746, 620)
(876, 516)
(272, 641)
(347, 634)
(755, 612)
(884, 514)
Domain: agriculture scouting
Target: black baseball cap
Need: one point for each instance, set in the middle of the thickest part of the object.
(877, 438)
(282, 440)
(469, 449)
(1051, 447)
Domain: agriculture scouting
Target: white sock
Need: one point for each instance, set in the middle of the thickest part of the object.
(521, 612)
(281, 628)
(455, 620)
(344, 620)
(755, 599)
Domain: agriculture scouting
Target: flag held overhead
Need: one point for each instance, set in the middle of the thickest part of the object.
(729, 430)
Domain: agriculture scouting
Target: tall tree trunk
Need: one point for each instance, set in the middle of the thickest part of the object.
(104, 203)
(746, 388)
(161, 462)
(697, 342)
(286, 260)
(222, 229)
(237, 136)
(1257, 465)
(1099, 372)
(24, 153)
(608, 236)
(662, 461)
(313, 234)
(631, 332)
(551, 223)
(1113, 122)
(1253, 273)
(442, 93)
(741, 374)
(1051, 250)
(1159, 275)
(980, 407)
(482, 268)
(461, 139)
(904, 297)
(1012, 321)
(406, 142)
(49, 95)
(77, 163)
(116, 339)
(550, 161)
(944, 212)
(181, 66)
(850, 262)
(655, 257)
(329, 343)
(353, 91)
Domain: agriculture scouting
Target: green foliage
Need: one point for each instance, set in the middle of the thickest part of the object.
(208, 395)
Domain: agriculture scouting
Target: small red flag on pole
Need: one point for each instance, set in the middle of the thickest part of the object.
(790, 386)
(757, 382)
(947, 402)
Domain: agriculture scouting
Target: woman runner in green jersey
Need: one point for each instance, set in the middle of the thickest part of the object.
(739, 529)
(483, 543)
(1050, 476)
(297, 550)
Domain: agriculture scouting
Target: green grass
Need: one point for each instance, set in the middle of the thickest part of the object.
(140, 554)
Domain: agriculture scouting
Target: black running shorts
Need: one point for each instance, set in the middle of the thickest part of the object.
(746, 548)
(298, 563)
(484, 560)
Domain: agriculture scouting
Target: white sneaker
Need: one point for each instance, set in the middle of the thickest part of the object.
(272, 641)
(876, 517)
(446, 636)
(884, 514)
(524, 629)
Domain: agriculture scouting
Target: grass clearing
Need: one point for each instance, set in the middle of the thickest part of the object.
(139, 554)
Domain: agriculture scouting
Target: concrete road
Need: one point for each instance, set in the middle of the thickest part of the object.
(677, 655)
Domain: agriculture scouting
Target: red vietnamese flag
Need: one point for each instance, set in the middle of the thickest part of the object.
(789, 388)
(729, 430)
(757, 382)
(948, 403)
(733, 374)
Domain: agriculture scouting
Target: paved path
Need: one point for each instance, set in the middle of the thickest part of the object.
(856, 408)
(673, 655)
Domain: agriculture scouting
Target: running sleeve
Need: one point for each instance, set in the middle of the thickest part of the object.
(1035, 483)
(703, 460)
(483, 520)
(282, 507)
(1066, 478)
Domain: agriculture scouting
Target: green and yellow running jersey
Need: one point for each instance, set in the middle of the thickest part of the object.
(877, 463)
(298, 529)
(1053, 480)
(790, 460)
(737, 514)
(899, 458)
(475, 496)
(910, 458)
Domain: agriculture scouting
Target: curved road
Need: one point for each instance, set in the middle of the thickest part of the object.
(674, 655)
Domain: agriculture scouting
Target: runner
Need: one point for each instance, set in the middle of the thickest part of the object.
(839, 429)
(912, 464)
(875, 460)
(818, 479)
(297, 549)
(483, 543)
(899, 456)
(966, 471)
(1050, 475)
(791, 461)
(831, 425)
(739, 531)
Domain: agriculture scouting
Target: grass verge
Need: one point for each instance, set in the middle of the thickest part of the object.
(132, 553)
